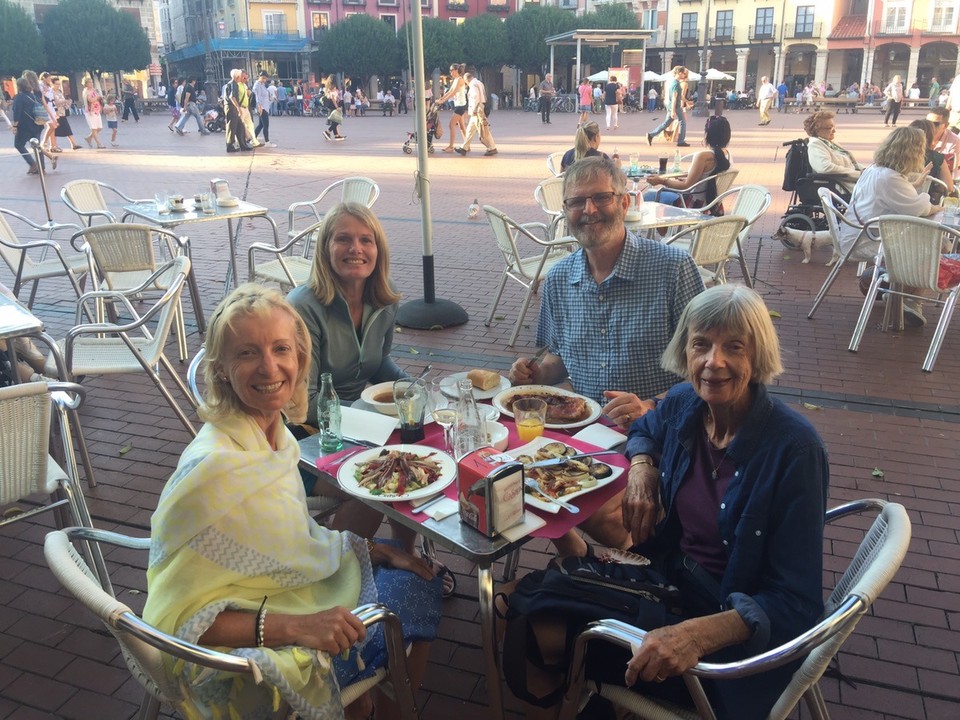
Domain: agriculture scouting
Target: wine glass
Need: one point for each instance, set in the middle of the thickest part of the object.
(443, 410)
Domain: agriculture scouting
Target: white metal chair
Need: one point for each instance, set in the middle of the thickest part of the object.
(911, 249)
(553, 163)
(123, 255)
(834, 209)
(361, 190)
(290, 271)
(85, 198)
(528, 271)
(710, 244)
(26, 269)
(723, 179)
(549, 196)
(872, 568)
(136, 346)
(751, 202)
(26, 465)
(144, 646)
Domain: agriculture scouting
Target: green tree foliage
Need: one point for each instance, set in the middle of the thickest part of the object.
(359, 46)
(21, 48)
(619, 17)
(485, 42)
(441, 45)
(526, 31)
(92, 36)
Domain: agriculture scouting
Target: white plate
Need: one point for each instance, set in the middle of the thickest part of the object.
(449, 386)
(371, 391)
(229, 202)
(531, 448)
(448, 473)
(592, 406)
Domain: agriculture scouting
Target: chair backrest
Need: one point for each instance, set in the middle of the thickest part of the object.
(874, 565)
(554, 161)
(714, 239)
(725, 180)
(120, 248)
(361, 190)
(504, 232)
(175, 273)
(193, 373)
(10, 247)
(752, 201)
(24, 439)
(911, 250)
(85, 198)
(549, 195)
(834, 208)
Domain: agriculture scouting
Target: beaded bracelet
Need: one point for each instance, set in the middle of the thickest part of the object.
(261, 620)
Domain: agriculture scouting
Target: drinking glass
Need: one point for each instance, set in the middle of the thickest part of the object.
(530, 415)
(410, 397)
(634, 164)
(443, 410)
(163, 202)
(208, 201)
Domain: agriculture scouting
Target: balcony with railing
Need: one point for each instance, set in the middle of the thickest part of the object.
(762, 33)
(810, 31)
(686, 37)
(939, 27)
(726, 36)
(884, 29)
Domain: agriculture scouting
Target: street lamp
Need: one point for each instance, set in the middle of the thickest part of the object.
(702, 107)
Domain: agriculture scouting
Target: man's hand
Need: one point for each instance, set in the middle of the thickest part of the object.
(625, 407)
(641, 502)
(524, 372)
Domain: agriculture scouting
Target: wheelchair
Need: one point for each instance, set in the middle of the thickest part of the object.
(804, 210)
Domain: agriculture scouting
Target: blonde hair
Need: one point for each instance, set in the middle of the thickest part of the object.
(586, 134)
(729, 308)
(903, 150)
(220, 400)
(324, 281)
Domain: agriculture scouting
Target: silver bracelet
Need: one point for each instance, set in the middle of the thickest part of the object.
(261, 620)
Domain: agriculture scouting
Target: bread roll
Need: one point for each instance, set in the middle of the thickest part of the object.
(484, 379)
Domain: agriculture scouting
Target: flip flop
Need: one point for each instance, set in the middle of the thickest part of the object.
(449, 580)
(448, 149)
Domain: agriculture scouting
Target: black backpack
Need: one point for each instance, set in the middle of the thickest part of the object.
(797, 164)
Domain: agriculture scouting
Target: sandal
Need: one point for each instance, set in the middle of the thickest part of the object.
(448, 149)
(449, 581)
(56, 149)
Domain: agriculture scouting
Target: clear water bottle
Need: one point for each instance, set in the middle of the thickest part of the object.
(470, 432)
(676, 162)
(328, 415)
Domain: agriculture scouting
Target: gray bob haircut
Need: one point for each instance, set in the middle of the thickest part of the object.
(592, 168)
(731, 308)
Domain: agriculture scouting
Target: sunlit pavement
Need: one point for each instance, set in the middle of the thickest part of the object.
(891, 429)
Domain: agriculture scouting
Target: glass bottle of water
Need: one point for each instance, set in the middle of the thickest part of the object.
(470, 433)
(328, 415)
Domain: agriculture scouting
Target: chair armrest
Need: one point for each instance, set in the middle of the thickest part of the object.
(122, 194)
(294, 207)
(108, 537)
(93, 295)
(691, 231)
(718, 199)
(67, 395)
(49, 227)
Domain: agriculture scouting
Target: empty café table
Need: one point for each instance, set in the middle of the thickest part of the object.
(650, 216)
(147, 210)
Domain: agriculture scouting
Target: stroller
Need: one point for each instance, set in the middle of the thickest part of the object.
(214, 120)
(804, 211)
(434, 130)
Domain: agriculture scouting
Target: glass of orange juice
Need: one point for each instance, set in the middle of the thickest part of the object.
(529, 414)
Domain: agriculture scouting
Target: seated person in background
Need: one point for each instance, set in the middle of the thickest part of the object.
(937, 161)
(607, 312)
(389, 102)
(945, 140)
(889, 187)
(726, 495)
(236, 496)
(705, 164)
(825, 156)
(586, 143)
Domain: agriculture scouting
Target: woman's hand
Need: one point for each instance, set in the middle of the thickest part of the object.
(664, 652)
(332, 631)
(641, 502)
(391, 556)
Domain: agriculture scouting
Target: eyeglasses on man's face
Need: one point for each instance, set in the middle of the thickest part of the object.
(599, 200)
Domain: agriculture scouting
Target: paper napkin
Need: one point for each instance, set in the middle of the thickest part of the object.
(365, 425)
(601, 436)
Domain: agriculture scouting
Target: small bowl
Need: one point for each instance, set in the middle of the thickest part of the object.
(488, 413)
(499, 435)
(380, 397)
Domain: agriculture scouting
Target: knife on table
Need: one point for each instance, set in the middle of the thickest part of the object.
(534, 485)
(561, 460)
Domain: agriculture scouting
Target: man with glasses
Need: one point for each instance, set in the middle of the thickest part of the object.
(607, 313)
(944, 140)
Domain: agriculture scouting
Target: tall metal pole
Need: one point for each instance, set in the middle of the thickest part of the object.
(427, 312)
(702, 107)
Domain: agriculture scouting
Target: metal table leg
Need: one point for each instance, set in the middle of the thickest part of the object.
(488, 629)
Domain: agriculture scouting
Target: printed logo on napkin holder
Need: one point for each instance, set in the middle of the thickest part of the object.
(490, 491)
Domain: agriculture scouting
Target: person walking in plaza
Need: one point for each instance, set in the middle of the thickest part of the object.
(547, 93)
(235, 98)
(478, 124)
(92, 107)
(190, 108)
(112, 116)
(611, 102)
(934, 93)
(894, 95)
(585, 100)
(129, 101)
(674, 106)
(172, 103)
(262, 92)
(62, 105)
(25, 127)
(458, 92)
(781, 95)
(652, 99)
(765, 98)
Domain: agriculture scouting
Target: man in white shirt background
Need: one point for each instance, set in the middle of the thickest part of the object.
(765, 98)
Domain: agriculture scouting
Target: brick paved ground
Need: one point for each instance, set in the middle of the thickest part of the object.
(875, 409)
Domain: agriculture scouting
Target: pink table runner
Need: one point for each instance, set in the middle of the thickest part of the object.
(557, 524)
